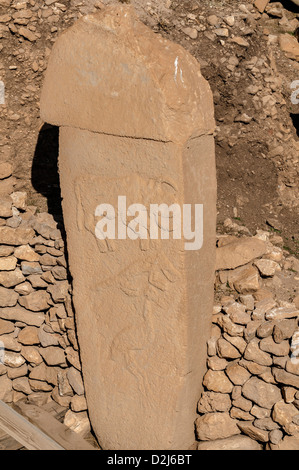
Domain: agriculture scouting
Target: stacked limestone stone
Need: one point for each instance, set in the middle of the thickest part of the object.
(251, 388)
(39, 357)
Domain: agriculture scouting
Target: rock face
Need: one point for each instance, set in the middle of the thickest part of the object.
(140, 126)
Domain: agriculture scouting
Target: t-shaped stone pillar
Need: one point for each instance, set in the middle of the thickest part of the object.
(136, 126)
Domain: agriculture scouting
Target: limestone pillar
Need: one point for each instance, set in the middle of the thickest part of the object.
(136, 121)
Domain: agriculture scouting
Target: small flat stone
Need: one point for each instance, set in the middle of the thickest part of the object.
(75, 380)
(242, 403)
(265, 330)
(261, 5)
(78, 403)
(267, 267)
(213, 402)
(253, 432)
(226, 350)
(277, 349)
(19, 199)
(260, 413)
(8, 264)
(31, 267)
(37, 282)
(240, 41)
(27, 34)
(22, 385)
(47, 339)
(231, 443)
(6, 327)
(289, 45)
(248, 282)
(217, 363)
(5, 170)
(222, 32)
(78, 422)
(32, 355)
(24, 289)
(44, 374)
(48, 260)
(239, 343)
(267, 424)
(61, 400)
(5, 208)
(275, 436)
(191, 32)
(36, 301)
(10, 343)
(8, 297)
(16, 372)
(22, 315)
(286, 378)
(26, 253)
(263, 394)
(237, 413)
(237, 374)
(239, 253)
(237, 314)
(53, 356)
(11, 278)
(283, 414)
(15, 236)
(213, 426)
(59, 291)
(281, 313)
(284, 329)
(40, 386)
(28, 336)
(254, 353)
(228, 326)
(12, 359)
(6, 250)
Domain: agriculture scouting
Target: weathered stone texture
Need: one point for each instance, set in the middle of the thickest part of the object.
(136, 119)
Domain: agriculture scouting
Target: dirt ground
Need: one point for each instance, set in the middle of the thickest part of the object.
(257, 155)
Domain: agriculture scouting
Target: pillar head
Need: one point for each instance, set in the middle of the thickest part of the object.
(111, 74)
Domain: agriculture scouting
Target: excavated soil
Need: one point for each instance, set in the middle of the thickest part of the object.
(254, 184)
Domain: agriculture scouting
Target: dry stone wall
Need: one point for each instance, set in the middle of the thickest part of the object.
(39, 358)
(251, 387)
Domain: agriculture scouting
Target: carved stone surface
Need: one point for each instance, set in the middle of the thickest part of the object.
(136, 120)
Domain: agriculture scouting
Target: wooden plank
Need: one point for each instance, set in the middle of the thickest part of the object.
(9, 443)
(63, 435)
(23, 431)
(54, 409)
